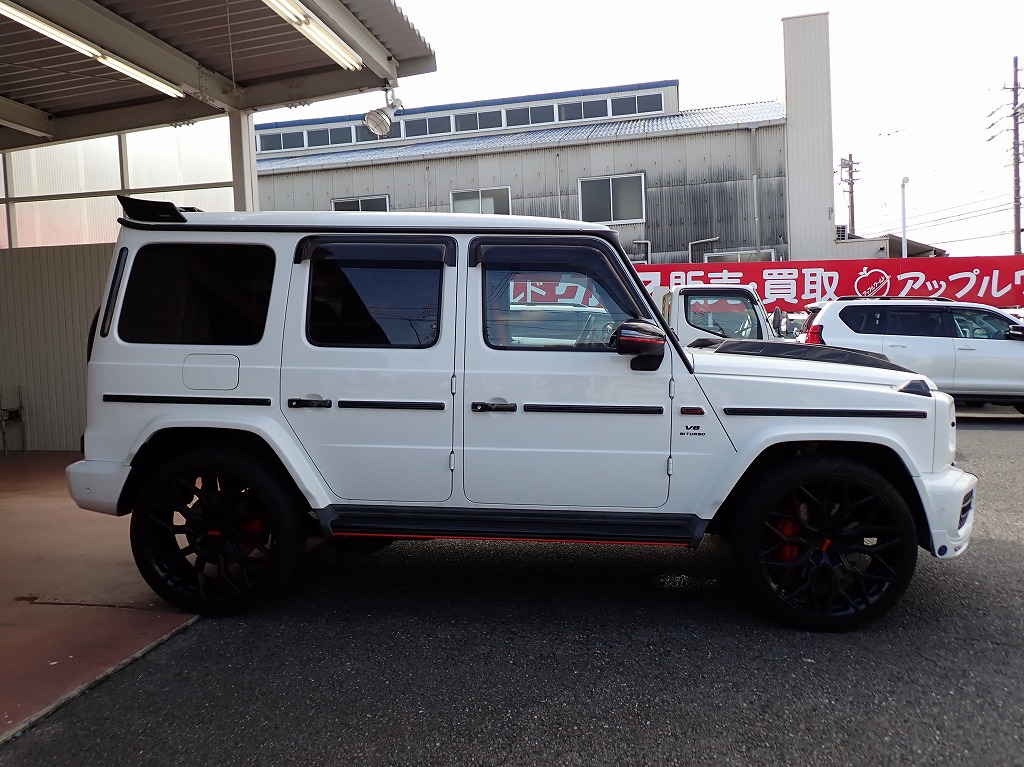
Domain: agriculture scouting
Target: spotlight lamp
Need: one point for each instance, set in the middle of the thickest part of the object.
(379, 121)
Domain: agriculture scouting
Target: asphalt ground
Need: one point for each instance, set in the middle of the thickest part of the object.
(474, 653)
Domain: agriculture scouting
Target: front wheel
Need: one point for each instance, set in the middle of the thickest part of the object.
(825, 544)
(215, 530)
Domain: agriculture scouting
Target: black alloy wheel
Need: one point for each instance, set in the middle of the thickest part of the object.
(825, 544)
(214, 531)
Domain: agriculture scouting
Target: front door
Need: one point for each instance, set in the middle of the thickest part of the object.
(366, 373)
(987, 362)
(553, 416)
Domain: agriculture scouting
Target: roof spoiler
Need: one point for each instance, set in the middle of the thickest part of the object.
(157, 211)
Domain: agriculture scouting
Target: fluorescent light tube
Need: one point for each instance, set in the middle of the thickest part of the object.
(318, 33)
(76, 43)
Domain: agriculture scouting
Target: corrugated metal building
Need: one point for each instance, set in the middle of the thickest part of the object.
(749, 181)
(694, 174)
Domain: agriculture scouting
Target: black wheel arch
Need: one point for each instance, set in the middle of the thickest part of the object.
(880, 458)
(168, 443)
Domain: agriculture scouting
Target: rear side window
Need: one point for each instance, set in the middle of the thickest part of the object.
(864, 319)
(381, 294)
(915, 322)
(197, 294)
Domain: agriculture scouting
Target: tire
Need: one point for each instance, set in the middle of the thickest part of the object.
(215, 531)
(825, 544)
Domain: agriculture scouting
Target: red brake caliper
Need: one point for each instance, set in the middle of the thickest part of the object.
(789, 551)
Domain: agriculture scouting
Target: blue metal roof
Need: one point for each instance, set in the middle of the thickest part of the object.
(482, 143)
(477, 104)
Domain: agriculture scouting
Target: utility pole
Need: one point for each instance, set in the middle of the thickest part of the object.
(1016, 160)
(848, 166)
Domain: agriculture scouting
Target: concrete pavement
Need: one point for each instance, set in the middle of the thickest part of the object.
(73, 607)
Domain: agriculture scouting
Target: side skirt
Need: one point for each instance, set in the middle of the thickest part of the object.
(664, 528)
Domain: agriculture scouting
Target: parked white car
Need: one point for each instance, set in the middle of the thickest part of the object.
(971, 351)
(257, 378)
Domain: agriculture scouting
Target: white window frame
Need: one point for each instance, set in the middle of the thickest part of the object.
(479, 197)
(613, 219)
(360, 200)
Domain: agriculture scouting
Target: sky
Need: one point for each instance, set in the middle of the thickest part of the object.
(915, 87)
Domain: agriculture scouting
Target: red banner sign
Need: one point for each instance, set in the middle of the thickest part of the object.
(791, 285)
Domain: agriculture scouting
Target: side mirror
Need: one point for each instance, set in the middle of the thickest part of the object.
(642, 341)
(777, 321)
(1015, 332)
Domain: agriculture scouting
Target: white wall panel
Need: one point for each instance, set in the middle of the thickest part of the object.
(47, 299)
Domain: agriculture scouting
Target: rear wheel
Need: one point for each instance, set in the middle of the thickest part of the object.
(214, 531)
(825, 544)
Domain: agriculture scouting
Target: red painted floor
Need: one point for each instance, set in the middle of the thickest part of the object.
(73, 607)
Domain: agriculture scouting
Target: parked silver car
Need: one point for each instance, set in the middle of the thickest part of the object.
(971, 351)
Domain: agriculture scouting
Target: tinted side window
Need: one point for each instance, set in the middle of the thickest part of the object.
(559, 298)
(375, 294)
(205, 294)
(915, 322)
(864, 319)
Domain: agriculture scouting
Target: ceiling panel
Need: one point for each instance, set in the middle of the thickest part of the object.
(225, 54)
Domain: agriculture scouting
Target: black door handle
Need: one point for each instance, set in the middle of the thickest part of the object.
(299, 402)
(493, 407)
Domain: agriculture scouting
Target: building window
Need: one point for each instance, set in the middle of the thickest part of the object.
(293, 140)
(518, 116)
(439, 125)
(379, 202)
(572, 111)
(466, 122)
(318, 137)
(612, 199)
(544, 114)
(490, 119)
(498, 200)
(415, 128)
(650, 102)
(592, 109)
(625, 105)
(270, 141)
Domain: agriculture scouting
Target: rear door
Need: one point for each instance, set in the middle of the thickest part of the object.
(919, 338)
(367, 365)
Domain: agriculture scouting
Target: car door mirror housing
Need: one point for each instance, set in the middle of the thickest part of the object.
(643, 341)
(1015, 332)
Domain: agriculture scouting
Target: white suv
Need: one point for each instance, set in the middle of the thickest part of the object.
(257, 378)
(972, 351)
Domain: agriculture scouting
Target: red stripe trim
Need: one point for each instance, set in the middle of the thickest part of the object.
(498, 538)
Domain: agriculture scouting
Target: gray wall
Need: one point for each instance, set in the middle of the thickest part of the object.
(47, 300)
(698, 185)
